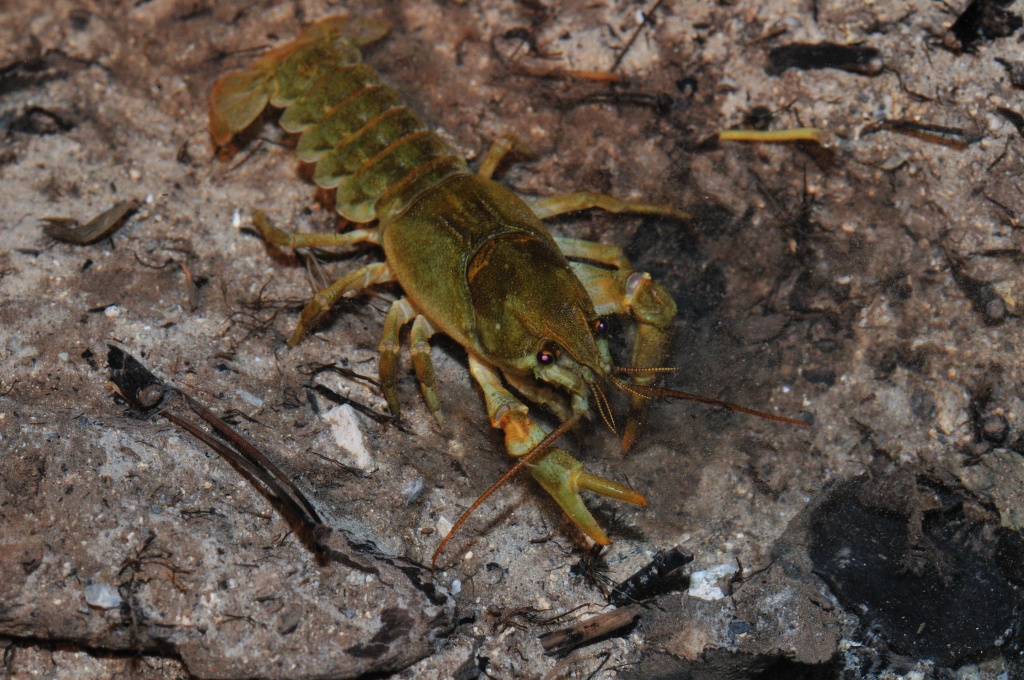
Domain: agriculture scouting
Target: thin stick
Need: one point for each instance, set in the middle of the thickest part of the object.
(525, 460)
(636, 34)
(282, 484)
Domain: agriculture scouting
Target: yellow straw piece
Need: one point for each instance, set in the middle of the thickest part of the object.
(806, 134)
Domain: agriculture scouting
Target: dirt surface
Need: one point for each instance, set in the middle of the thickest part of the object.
(875, 288)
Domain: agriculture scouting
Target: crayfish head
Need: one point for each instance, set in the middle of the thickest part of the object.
(580, 374)
(534, 318)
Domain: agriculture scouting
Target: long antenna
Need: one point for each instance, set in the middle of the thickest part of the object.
(523, 461)
(649, 392)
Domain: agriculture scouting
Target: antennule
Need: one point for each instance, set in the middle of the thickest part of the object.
(634, 370)
(604, 408)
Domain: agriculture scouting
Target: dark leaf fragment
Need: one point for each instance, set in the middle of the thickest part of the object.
(853, 58)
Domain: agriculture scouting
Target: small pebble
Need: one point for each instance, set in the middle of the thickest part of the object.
(995, 429)
(995, 310)
(102, 596)
(412, 490)
(348, 434)
(250, 398)
(707, 584)
(443, 525)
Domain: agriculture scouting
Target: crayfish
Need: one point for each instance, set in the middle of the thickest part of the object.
(472, 258)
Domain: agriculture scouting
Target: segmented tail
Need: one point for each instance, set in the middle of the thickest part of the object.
(365, 142)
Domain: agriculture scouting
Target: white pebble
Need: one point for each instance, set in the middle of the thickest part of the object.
(456, 587)
(102, 596)
(412, 490)
(250, 398)
(704, 585)
(348, 434)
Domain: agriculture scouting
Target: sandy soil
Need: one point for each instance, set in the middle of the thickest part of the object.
(874, 288)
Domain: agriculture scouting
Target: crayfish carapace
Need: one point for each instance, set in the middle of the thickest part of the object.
(472, 258)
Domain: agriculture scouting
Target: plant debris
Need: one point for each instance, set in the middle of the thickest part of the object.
(866, 61)
(67, 229)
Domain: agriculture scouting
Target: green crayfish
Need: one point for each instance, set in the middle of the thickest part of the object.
(473, 259)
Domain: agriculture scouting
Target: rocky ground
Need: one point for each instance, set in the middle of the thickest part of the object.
(873, 287)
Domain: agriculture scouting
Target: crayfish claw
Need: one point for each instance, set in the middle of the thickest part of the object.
(562, 476)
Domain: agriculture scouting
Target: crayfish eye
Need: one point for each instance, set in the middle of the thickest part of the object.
(600, 326)
(547, 355)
